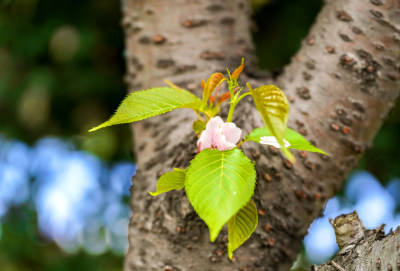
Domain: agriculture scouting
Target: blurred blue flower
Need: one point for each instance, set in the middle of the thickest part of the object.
(393, 187)
(361, 184)
(320, 242)
(14, 186)
(122, 170)
(376, 209)
(78, 198)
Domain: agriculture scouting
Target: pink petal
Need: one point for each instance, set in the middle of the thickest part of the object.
(214, 130)
(219, 141)
(213, 124)
(204, 141)
(225, 146)
(232, 133)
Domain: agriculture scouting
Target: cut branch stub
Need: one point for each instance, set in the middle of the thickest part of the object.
(349, 230)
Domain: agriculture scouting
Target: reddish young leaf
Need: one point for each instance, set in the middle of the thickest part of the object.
(212, 82)
(214, 97)
(225, 96)
(238, 71)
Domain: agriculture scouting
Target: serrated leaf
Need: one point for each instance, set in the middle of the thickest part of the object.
(241, 226)
(296, 140)
(273, 106)
(218, 184)
(149, 103)
(169, 181)
(172, 85)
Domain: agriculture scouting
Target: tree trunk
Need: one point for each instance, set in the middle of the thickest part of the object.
(341, 85)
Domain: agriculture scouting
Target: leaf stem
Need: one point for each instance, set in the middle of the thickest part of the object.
(243, 95)
(240, 143)
(233, 103)
(198, 114)
(208, 115)
(231, 109)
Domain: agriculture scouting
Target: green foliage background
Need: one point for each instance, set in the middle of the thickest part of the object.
(61, 73)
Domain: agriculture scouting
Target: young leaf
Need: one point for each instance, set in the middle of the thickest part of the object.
(218, 184)
(169, 181)
(273, 106)
(149, 103)
(238, 71)
(296, 140)
(212, 83)
(224, 97)
(241, 226)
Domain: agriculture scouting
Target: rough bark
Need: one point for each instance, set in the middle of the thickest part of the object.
(341, 85)
(362, 249)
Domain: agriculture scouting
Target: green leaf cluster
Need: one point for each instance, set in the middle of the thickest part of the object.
(218, 184)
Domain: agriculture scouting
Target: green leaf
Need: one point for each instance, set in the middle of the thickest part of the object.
(218, 184)
(169, 181)
(199, 125)
(296, 140)
(241, 226)
(149, 103)
(273, 106)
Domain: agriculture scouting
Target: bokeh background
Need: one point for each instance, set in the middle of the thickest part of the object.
(63, 192)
